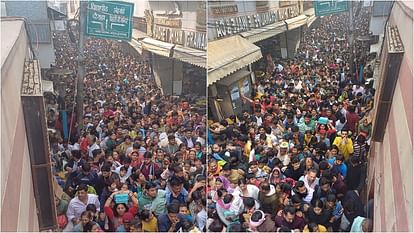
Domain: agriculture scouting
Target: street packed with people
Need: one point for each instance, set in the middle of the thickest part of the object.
(139, 162)
(297, 160)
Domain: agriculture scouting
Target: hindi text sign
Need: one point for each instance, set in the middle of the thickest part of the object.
(111, 20)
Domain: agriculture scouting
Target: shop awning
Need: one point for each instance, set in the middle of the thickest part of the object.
(228, 55)
(265, 32)
(309, 12)
(311, 16)
(55, 14)
(157, 47)
(136, 44)
(137, 34)
(311, 19)
(234, 77)
(193, 56)
(296, 21)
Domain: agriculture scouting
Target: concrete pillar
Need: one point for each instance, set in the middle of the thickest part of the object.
(168, 74)
(283, 44)
(177, 77)
(212, 103)
(293, 40)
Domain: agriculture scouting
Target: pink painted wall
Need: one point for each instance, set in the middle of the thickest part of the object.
(392, 160)
(18, 206)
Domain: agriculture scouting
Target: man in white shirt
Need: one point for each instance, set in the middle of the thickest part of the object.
(357, 89)
(78, 205)
(310, 181)
(188, 138)
(257, 117)
(279, 67)
(92, 145)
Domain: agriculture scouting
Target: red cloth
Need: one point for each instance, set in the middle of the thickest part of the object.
(146, 170)
(352, 120)
(84, 145)
(108, 113)
(110, 213)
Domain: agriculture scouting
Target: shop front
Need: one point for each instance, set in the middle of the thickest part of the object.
(178, 55)
(230, 75)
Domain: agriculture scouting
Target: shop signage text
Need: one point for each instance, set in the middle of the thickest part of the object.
(170, 35)
(235, 25)
(174, 23)
(196, 40)
(288, 12)
(224, 10)
(112, 20)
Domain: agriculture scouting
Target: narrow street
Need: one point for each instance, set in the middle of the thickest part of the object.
(206, 116)
(293, 145)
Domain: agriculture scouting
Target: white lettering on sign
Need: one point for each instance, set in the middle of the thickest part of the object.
(233, 25)
(174, 36)
(101, 8)
(98, 17)
(196, 40)
(118, 19)
(287, 12)
(119, 11)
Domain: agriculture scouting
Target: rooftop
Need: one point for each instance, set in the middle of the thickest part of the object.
(11, 28)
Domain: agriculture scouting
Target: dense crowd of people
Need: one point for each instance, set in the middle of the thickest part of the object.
(139, 162)
(297, 161)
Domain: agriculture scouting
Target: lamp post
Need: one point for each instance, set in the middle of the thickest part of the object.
(81, 67)
(351, 36)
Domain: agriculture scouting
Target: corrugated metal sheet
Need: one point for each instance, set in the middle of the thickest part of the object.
(39, 32)
(32, 10)
(228, 55)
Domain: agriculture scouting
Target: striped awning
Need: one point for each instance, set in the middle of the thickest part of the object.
(193, 56)
(296, 22)
(136, 44)
(265, 32)
(158, 47)
(228, 55)
(137, 34)
(311, 16)
(311, 19)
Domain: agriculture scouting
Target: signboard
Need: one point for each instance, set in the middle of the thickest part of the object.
(329, 7)
(196, 40)
(287, 3)
(174, 23)
(112, 20)
(170, 35)
(224, 10)
(234, 25)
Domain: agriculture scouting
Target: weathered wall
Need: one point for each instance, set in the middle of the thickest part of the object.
(18, 207)
(392, 167)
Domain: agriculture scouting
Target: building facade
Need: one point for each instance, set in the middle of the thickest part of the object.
(18, 206)
(172, 35)
(241, 34)
(37, 14)
(28, 200)
(390, 175)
